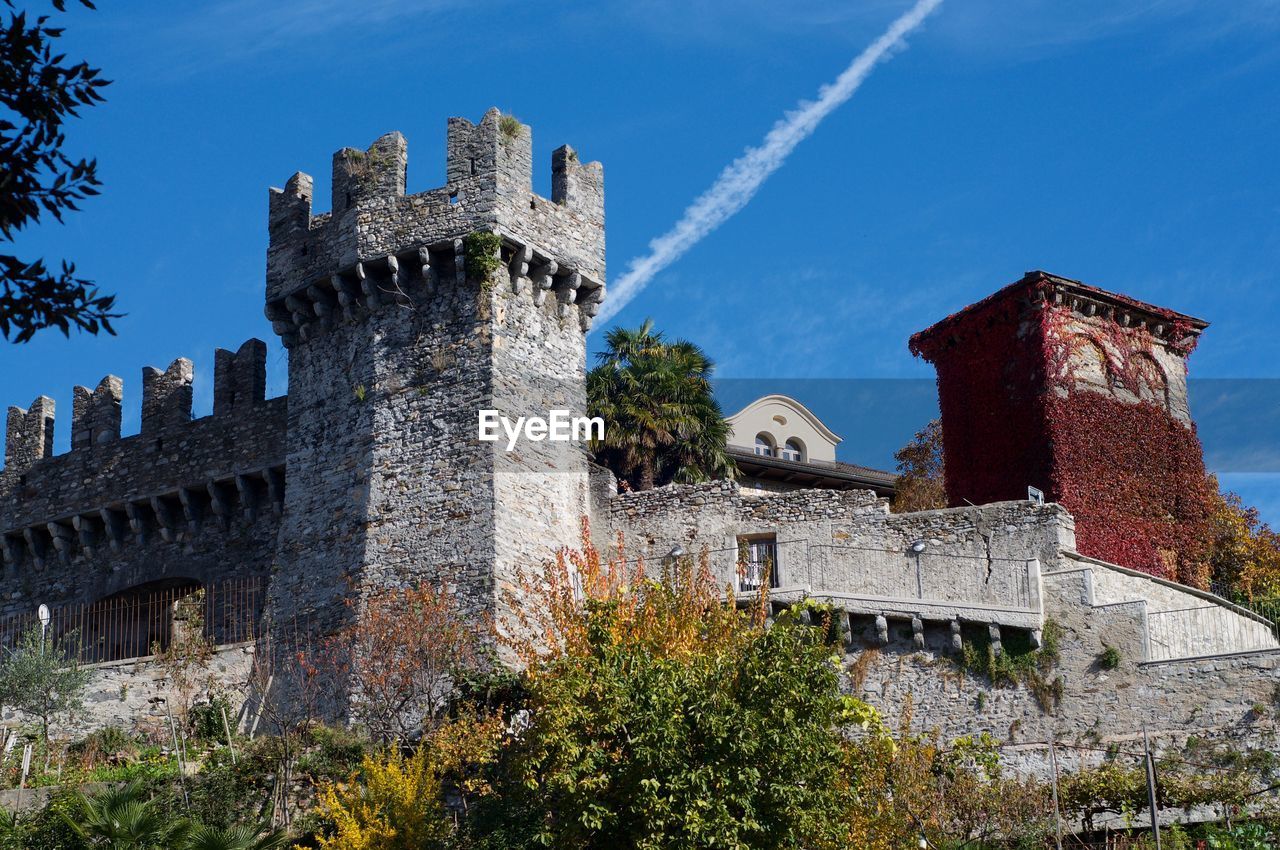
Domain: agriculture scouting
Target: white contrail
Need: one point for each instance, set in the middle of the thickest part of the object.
(740, 180)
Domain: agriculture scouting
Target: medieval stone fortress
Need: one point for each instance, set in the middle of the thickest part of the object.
(404, 314)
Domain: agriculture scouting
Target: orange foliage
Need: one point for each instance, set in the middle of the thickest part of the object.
(402, 655)
(544, 609)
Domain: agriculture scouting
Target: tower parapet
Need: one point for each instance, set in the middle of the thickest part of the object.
(378, 245)
(166, 396)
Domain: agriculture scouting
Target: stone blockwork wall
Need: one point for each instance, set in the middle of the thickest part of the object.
(131, 695)
(192, 499)
(406, 315)
(974, 564)
(1208, 696)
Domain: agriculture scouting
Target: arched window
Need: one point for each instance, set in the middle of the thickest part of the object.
(764, 445)
(793, 450)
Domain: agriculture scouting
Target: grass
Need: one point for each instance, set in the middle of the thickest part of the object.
(510, 126)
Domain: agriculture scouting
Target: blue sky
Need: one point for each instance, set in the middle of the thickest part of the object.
(1128, 144)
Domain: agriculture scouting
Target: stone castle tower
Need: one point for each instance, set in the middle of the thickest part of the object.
(404, 316)
(1082, 393)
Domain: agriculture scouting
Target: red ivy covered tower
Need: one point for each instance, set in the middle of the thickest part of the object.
(1082, 393)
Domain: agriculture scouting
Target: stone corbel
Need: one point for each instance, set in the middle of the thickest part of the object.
(136, 523)
(164, 519)
(372, 298)
(84, 526)
(219, 504)
(459, 263)
(192, 510)
(9, 549)
(567, 292)
(35, 547)
(347, 300)
(957, 642)
(917, 633)
(322, 303)
(248, 498)
(543, 280)
(882, 629)
(520, 269)
(275, 489)
(112, 526)
(62, 540)
(996, 645)
(424, 269)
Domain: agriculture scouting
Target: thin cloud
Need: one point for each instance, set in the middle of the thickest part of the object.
(739, 182)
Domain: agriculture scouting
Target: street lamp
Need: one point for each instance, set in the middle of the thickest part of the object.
(43, 613)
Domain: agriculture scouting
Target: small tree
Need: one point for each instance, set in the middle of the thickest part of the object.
(921, 475)
(662, 420)
(405, 651)
(285, 688)
(185, 661)
(1244, 551)
(42, 677)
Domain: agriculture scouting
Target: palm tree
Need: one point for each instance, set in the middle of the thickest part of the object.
(125, 818)
(235, 838)
(662, 421)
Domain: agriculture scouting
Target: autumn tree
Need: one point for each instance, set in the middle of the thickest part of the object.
(921, 484)
(402, 655)
(39, 90)
(1244, 551)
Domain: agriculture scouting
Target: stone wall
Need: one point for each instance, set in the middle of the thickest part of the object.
(1182, 622)
(975, 564)
(131, 695)
(192, 499)
(1210, 696)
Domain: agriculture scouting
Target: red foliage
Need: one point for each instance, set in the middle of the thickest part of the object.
(1130, 472)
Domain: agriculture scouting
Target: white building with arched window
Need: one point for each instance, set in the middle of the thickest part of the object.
(779, 444)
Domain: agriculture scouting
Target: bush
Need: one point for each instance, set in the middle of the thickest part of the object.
(396, 804)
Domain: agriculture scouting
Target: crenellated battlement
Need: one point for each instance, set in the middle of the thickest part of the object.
(193, 497)
(240, 377)
(379, 246)
(95, 414)
(239, 386)
(29, 435)
(166, 396)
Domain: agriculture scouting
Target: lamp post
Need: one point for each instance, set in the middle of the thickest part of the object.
(917, 549)
(45, 617)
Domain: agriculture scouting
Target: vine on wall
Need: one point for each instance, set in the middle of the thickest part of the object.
(1130, 472)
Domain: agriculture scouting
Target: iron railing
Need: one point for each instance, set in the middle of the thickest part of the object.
(136, 625)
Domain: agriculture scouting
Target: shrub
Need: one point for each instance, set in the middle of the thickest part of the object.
(394, 804)
(660, 716)
(481, 252)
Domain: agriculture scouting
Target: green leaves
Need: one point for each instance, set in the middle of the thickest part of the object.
(42, 677)
(39, 91)
(734, 745)
(662, 422)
